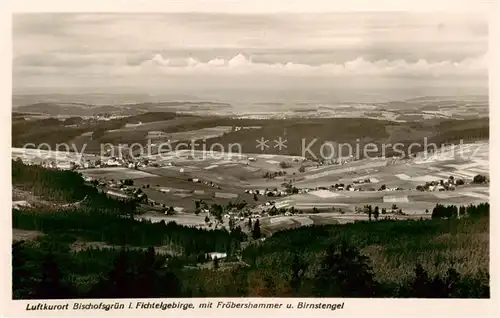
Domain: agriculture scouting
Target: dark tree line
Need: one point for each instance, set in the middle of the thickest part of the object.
(132, 275)
(452, 211)
(149, 277)
(450, 285)
(51, 184)
(342, 271)
(119, 230)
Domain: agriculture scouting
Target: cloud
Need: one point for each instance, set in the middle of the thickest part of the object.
(217, 62)
(158, 67)
(242, 65)
(158, 60)
(238, 61)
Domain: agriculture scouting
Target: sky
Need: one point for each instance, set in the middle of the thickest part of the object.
(420, 53)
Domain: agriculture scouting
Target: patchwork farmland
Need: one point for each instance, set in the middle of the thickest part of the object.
(181, 177)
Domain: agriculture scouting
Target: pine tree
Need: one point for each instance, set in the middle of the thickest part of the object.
(50, 285)
(420, 284)
(22, 281)
(232, 224)
(256, 234)
(299, 267)
(171, 285)
(117, 284)
(344, 272)
(147, 277)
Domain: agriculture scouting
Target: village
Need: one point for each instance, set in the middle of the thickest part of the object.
(193, 189)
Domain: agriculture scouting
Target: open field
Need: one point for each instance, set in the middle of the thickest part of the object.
(79, 246)
(236, 172)
(180, 218)
(277, 223)
(143, 127)
(39, 155)
(25, 235)
(155, 132)
(224, 177)
(117, 173)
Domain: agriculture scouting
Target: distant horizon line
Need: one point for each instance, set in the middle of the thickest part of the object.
(228, 102)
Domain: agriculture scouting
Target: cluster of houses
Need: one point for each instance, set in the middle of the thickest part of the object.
(118, 188)
(336, 161)
(62, 165)
(205, 182)
(449, 184)
(341, 187)
(234, 215)
(108, 162)
(65, 164)
(130, 192)
(272, 210)
(364, 181)
(106, 116)
(83, 164)
(266, 192)
(128, 163)
(335, 187)
(351, 187)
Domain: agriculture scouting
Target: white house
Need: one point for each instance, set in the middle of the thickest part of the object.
(116, 194)
(64, 165)
(20, 204)
(216, 255)
(112, 163)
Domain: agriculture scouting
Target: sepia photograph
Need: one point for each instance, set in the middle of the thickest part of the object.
(306, 155)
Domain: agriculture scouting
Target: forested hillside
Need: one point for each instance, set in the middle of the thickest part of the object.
(445, 256)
